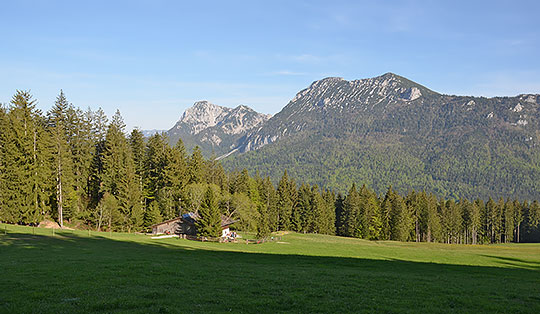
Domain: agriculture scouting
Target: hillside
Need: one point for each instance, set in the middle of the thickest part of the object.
(77, 272)
(389, 130)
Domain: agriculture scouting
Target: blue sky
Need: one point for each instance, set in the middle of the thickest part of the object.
(153, 59)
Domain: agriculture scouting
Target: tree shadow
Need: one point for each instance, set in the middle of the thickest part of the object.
(74, 273)
(517, 262)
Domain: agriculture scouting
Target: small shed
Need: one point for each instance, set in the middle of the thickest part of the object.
(187, 224)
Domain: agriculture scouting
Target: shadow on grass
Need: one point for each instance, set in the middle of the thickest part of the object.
(73, 273)
(516, 262)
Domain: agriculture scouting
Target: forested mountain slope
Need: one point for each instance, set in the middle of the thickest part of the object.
(389, 130)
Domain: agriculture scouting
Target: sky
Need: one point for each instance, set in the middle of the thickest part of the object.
(153, 59)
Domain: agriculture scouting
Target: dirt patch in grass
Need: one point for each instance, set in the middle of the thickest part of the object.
(51, 225)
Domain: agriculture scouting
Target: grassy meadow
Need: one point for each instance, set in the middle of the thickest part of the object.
(74, 271)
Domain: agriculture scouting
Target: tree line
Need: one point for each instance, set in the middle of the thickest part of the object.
(78, 166)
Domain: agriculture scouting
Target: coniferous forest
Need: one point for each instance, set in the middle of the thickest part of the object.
(80, 166)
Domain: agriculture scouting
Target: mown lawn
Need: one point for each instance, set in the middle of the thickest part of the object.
(74, 272)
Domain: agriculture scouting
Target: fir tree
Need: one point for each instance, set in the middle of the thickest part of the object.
(508, 222)
(152, 215)
(61, 156)
(25, 161)
(300, 218)
(196, 167)
(209, 223)
(351, 224)
(287, 195)
(263, 226)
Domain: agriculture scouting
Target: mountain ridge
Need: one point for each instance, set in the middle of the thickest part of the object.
(216, 129)
(381, 131)
(404, 133)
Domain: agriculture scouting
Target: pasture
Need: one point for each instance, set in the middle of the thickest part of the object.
(74, 271)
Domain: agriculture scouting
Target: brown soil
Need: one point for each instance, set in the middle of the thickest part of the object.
(51, 225)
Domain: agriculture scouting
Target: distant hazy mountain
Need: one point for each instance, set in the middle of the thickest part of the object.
(389, 130)
(148, 133)
(215, 128)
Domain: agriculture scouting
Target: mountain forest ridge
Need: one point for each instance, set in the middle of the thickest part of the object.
(381, 131)
(76, 165)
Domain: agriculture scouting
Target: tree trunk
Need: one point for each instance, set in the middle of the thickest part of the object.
(59, 197)
(36, 201)
(100, 218)
(417, 231)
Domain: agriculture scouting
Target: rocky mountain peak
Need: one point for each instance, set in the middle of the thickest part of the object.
(203, 114)
(215, 128)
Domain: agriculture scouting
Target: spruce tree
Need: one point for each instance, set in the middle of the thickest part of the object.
(386, 210)
(508, 222)
(136, 142)
(268, 196)
(338, 205)
(197, 167)
(328, 219)
(317, 212)
(209, 223)
(61, 158)
(287, 194)
(351, 223)
(374, 215)
(152, 215)
(81, 140)
(119, 177)
(300, 218)
(26, 165)
(3, 178)
(518, 219)
(400, 219)
(263, 226)
(156, 160)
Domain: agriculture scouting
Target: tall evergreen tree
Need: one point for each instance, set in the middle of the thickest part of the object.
(26, 155)
(287, 195)
(386, 210)
(82, 141)
(327, 221)
(119, 177)
(351, 224)
(197, 167)
(156, 160)
(209, 223)
(400, 219)
(518, 219)
(268, 196)
(61, 156)
(508, 221)
(3, 178)
(338, 205)
(300, 216)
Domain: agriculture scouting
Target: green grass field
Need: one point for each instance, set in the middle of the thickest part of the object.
(74, 272)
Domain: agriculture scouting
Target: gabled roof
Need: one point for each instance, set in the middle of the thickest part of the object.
(193, 217)
(166, 221)
(226, 221)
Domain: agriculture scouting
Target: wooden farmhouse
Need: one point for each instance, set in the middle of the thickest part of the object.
(186, 225)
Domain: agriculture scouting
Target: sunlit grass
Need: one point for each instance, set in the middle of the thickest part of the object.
(78, 271)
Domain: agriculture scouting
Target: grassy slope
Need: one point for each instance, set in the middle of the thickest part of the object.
(72, 272)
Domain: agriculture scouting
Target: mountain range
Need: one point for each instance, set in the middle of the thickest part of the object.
(215, 129)
(381, 131)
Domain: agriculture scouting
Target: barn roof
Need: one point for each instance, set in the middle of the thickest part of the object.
(166, 221)
(193, 217)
